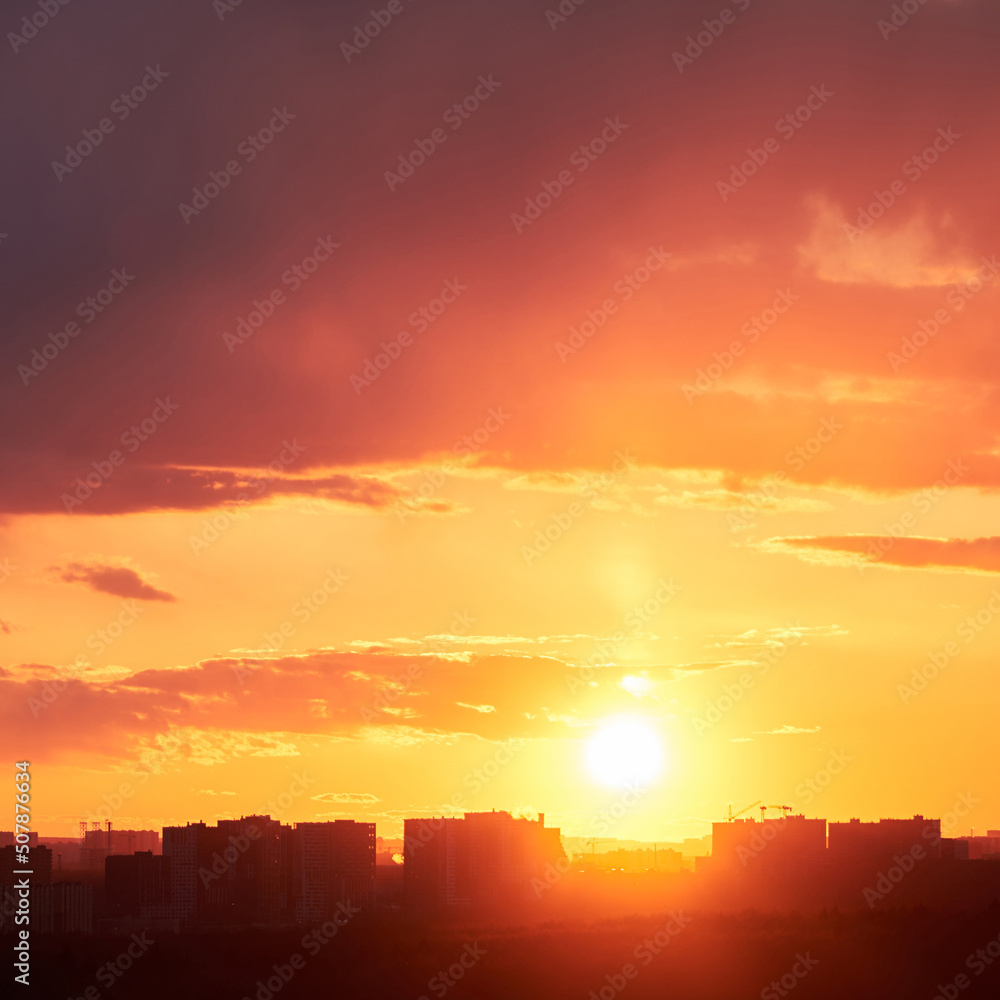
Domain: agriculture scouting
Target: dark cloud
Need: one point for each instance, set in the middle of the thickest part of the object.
(122, 581)
(325, 175)
(50, 489)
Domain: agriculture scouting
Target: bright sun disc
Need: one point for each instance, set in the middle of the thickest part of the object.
(625, 752)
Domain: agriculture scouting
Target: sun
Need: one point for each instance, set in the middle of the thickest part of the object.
(625, 751)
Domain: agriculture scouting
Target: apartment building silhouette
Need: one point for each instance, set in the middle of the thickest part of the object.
(482, 859)
(256, 870)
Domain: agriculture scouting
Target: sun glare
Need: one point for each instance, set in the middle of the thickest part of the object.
(625, 751)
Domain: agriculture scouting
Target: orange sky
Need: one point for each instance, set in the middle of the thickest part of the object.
(620, 404)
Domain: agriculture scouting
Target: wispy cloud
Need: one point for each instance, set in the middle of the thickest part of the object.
(787, 730)
(972, 555)
(347, 798)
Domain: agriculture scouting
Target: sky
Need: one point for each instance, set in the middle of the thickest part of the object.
(586, 410)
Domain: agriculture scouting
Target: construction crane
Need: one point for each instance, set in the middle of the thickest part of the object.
(593, 843)
(732, 815)
(785, 810)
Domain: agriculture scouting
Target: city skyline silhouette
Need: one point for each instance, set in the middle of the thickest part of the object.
(499, 499)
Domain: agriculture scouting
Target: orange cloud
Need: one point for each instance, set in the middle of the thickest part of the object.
(907, 254)
(978, 555)
(273, 698)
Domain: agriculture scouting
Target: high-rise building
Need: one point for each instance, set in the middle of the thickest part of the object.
(180, 847)
(791, 843)
(434, 862)
(258, 879)
(483, 859)
(333, 863)
(237, 872)
(873, 843)
(62, 908)
(137, 885)
(130, 841)
(954, 849)
(980, 848)
(95, 845)
(98, 843)
(662, 859)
